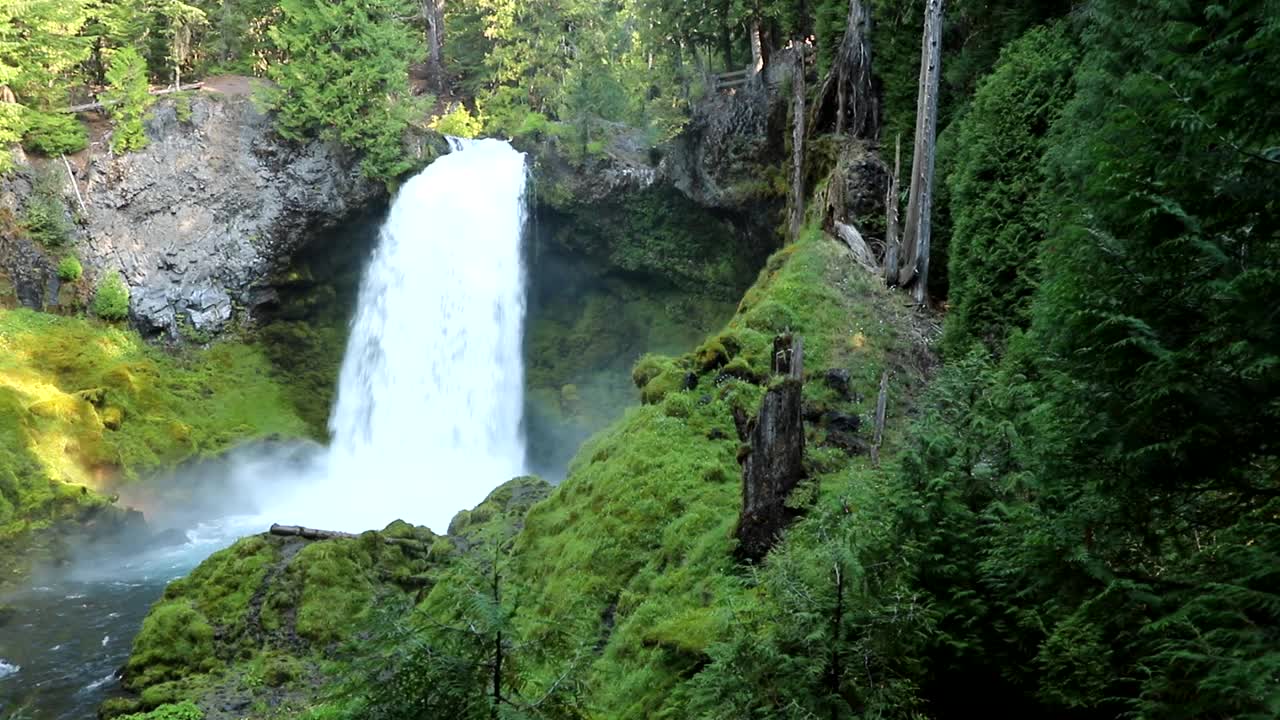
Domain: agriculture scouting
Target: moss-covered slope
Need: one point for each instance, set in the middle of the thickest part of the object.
(85, 407)
(629, 563)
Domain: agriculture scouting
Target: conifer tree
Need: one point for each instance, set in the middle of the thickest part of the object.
(345, 76)
(128, 99)
(996, 189)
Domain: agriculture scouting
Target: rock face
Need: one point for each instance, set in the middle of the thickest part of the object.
(199, 219)
(718, 159)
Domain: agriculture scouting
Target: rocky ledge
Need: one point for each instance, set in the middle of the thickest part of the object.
(198, 220)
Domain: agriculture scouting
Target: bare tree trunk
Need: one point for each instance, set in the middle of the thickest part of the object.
(774, 463)
(74, 185)
(797, 142)
(850, 78)
(882, 409)
(920, 203)
(891, 240)
(757, 51)
(726, 38)
(835, 669)
(433, 15)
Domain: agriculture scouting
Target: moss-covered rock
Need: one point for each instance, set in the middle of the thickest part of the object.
(586, 326)
(661, 234)
(270, 621)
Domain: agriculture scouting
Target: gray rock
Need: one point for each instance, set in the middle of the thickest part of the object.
(200, 219)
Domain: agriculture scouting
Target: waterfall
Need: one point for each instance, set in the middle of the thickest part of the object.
(427, 418)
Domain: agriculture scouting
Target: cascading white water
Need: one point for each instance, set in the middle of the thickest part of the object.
(427, 419)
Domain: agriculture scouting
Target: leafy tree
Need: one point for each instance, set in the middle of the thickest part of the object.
(996, 188)
(345, 77)
(128, 98)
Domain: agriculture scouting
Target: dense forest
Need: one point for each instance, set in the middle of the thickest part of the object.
(1083, 520)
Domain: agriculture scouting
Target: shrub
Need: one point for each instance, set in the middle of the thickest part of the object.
(458, 122)
(54, 133)
(13, 123)
(112, 299)
(70, 269)
(45, 220)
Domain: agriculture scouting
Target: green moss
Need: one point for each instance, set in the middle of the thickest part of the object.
(174, 639)
(632, 554)
(285, 613)
(85, 407)
(180, 711)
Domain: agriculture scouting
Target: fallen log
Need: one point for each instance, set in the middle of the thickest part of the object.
(857, 245)
(308, 533)
(103, 106)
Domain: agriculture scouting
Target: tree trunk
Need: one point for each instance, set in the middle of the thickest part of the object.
(797, 143)
(915, 269)
(774, 463)
(891, 240)
(726, 39)
(835, 670)
(849, 80)
(757, 50)
(103, 106)
(433, 15)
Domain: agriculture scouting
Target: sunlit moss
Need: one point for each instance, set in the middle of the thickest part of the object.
(86, 407)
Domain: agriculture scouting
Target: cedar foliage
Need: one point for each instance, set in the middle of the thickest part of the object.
(999, 209)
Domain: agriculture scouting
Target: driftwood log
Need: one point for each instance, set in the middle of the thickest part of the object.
(773, 463)
(857, 245)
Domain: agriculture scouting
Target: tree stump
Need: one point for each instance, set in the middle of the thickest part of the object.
(774, 463)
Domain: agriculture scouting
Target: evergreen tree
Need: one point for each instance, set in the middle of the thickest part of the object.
(1158, 318)
(40, 48)
(128, 98)
(996, 188)
(345, 76)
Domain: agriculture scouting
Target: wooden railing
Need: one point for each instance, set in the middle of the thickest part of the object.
(731, 80)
